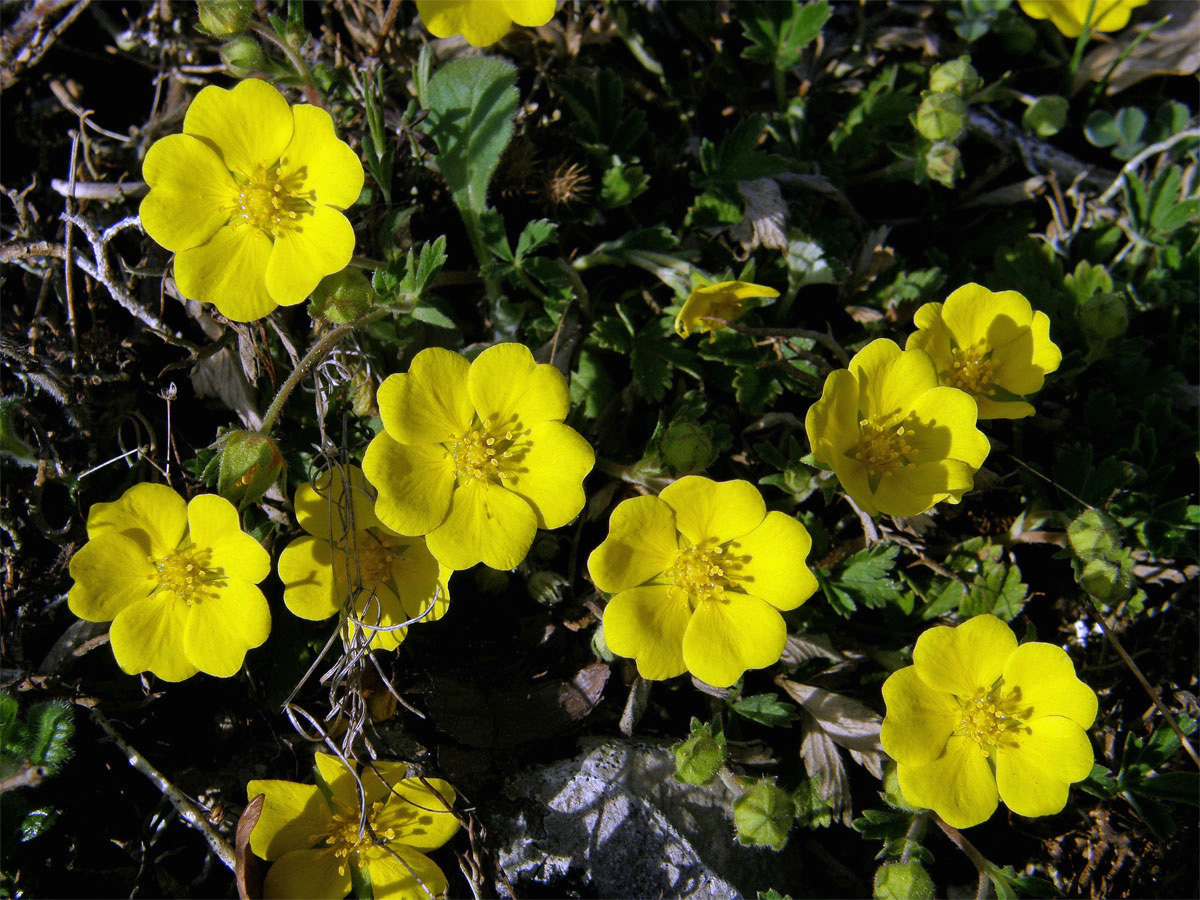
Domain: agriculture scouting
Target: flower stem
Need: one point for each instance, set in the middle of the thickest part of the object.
(311, 94)
(912, 837)
(314, 356)
(1085, 35)
(980, 861)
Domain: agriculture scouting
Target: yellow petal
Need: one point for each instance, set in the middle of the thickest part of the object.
(110, 572)
(419, 812)
(486, 523)
(305, 874)
(648, 624)
(832, 422)
(958, 785)
(1046, 355)
(323, 511)
(191, 192)
(910, 492)
(230, 618)
(548, 472)
(417, 876)
(152, 515)
(229, 271)
(292, 814)
(323, 164)
(890, 379)
(338, 779)
(770, 562)
(431, 404)
(312, 246)
(1033, 776)
(1003, 409)
(379, 775)
(919, 719)
(976, 315)
(725, 638)
(509, 389)
(249, 126)
(642, 542)
(1041, 678)
(213, 524)
(945, 428)
(714, 512)
(420, 581)
(148, 636)
(306, 570)
(480, 23)
(965, 659)
(382, 616)
(414, 483)
(529, 12)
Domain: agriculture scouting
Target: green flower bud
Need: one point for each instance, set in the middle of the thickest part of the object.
(686, 447)
(700, 757)
(762, 817)
(222, 18)
(247, 465)
(1093, 535)
(1105, 581)
(362, 393)
(957, 76)
(1103, 317)
(943, 163)
(903, 881)
(342, 297)
(891, 789)
(600, 645)
(941, 116)
(243, 56)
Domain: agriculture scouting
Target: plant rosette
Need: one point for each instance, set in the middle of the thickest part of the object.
(177, 579)
(699, 575)
(977, 717)
(475, 455)
(347, 551)
(249, 199)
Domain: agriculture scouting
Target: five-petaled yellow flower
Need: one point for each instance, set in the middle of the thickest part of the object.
(482, 22)
(313, 838)
(475, 456)
(176, 578)
(717, 301)
(898, 441)
(346, 546)
(699, 575)
(994, 346)
(976, 715)
(248, 198)
(1068, 16)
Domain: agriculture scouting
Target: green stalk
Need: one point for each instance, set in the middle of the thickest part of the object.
(1085, 35)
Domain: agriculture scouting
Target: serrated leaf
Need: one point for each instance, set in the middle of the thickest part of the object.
(755, 389)
(766, 709)
(866, 578)
(536, 234)
(998, 590)
(432, 316)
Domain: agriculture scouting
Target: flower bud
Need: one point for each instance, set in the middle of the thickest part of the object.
(243, 56)
(943, 163)
(957, 76)
(698, 759)
(1103, 317)
(941, 116)
(1093, 535)
(247, 465)
(600, 645)
(762, 817)
(342, 297)
(891, 789)
(1105, 581)
(903, 881)
(223, 18)
(686, 447)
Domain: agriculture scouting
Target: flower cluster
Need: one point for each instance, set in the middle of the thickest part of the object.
(976, 717)
(898, 427)
(319, 839)
(699, 575)
(177, 579)
(249, 198)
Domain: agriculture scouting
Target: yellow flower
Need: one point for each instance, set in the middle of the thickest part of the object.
(898, 442)
(1068, 15)
(975, 715)
(700, 573)
(991, 345)
(346, 544)
(475, 456)
(313, 838)
(248, 198)
(482, 22)
(177, 579)
(717, 301)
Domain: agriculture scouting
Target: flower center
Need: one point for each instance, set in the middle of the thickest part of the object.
(182, 573)
(971, 370)
(374, 560)
(701, 573)
(482, 452)
(271, 203)
(345, 838)
(883, 448)
(988, 717)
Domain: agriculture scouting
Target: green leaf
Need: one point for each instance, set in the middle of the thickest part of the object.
(766, 709)
(997, 590)
(536, 234)
(621, 184)
(903, 881)
(946, 600)
(755, 389)
(1047, 116)
(591, 385)
(432, 316)
(736, 159)
(811, 810)
(1176, 787)
(778, 31)
(864, 578)
(471, 104)
(603, 126)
